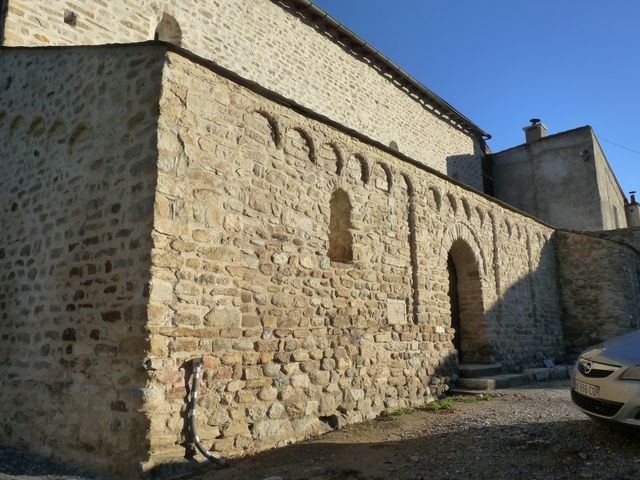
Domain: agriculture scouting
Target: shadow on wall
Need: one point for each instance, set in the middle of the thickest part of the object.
(458, 165)
(474, 170)
(4, 4)
(600, 289)
(522, 326)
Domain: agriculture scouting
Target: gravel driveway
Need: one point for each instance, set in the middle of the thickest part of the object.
(528, 433)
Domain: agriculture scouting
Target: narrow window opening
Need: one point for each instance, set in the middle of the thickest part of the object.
(340, 238)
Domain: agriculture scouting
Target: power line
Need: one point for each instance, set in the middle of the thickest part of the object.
(621, 146)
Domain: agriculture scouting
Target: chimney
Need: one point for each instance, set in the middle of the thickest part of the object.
(633, 211)
(535, 131)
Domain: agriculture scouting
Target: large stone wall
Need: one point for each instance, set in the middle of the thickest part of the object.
(628, 236)
(77, 142)
(600, 289)
(293, 341)
(263, 42)
(147, 226)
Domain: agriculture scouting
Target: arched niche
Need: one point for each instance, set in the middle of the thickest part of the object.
(340, 237)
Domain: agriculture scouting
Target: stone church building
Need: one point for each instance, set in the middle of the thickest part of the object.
(249, 182)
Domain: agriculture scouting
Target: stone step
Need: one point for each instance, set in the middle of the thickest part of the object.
(541, 374)
(492, 382)
(475, 370)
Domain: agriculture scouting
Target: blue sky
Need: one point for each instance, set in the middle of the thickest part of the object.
(502, 62)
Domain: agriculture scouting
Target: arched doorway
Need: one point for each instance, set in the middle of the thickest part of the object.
(467, 306)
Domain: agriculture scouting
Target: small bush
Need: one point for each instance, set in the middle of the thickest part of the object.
(445, 403)
(399, 412)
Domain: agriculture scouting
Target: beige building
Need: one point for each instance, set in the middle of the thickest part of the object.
(564, 179)
(260, 189)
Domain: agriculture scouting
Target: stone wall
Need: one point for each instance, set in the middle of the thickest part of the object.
(628, 236)
(306, 265)
(77, 139)
(260, 40)
(600, 289)
(249, 196)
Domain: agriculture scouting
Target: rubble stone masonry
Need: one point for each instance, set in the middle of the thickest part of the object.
(158, 208)
(600, 286)
(295, 342)
(263, 42)
(154, 211)
(78, 150)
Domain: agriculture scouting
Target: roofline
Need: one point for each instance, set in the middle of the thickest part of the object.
(355, 45)
(592, 132)
(604, 154)
(296, 107)
(555, 135)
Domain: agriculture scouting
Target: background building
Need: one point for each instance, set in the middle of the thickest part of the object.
(260, 188)
(563, 179)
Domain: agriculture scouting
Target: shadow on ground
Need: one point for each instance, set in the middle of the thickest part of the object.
(558, 450)
(476, 443)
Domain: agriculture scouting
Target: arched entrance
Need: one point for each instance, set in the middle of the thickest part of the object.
(467, 306)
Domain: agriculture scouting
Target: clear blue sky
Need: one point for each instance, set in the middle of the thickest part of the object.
(502, 62)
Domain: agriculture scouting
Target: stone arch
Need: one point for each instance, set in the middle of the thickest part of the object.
(78, 133)
(453, 202)
(467, 208)
(334, 155)
(434, 198)
(357, 168)
(389, 175)
(37, 127)
(509, 226)
(56, 129)
(276, 136)
(365, 173)
(480, 214)
(408, 183)
(459, 231)
(299, 144)
(260, 129)
(15, 125)
(340, 237)
(468, 319)
(168, 30)
(382, 178)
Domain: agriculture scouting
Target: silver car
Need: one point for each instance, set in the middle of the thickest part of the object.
(605, 382)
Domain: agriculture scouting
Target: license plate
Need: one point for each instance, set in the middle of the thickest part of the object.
(586, 389)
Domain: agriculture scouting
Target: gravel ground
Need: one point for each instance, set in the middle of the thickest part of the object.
(528, 433)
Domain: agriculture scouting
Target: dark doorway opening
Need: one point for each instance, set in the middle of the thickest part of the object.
(470, 337)
(455, 304)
